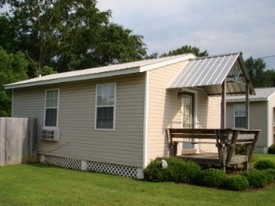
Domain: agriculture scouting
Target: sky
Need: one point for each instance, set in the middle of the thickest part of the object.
(218, 26)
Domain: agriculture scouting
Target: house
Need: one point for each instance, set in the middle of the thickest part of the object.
(262, 114)
(113, 119)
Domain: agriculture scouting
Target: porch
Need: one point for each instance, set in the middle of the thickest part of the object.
(225, 141)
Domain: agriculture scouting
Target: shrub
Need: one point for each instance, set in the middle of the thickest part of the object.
(256, 178)
(264, 164)
(270, 174)
(236, 183)
(155, 173)
(271, 149)
(183, 170)
(211, 178)
(178, 170)
(240, 149)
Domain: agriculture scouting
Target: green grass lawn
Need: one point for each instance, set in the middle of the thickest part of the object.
(37, 184)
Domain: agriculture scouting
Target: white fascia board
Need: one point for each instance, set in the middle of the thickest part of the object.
(73, 78)
(243, 100)
(145, 120)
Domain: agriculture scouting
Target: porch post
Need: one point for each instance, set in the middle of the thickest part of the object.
(247, 105)
(223, 106)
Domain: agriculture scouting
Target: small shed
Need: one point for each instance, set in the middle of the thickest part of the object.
(262, 115)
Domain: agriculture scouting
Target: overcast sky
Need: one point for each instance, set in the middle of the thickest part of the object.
(218, 26)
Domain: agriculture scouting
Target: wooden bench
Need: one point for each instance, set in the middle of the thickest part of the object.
(224, 139)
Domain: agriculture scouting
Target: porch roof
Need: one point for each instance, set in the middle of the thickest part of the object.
(211, 72)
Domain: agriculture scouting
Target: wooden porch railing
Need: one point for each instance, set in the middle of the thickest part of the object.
(224, 139)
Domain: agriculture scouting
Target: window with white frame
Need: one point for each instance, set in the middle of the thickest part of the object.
(51, 107)
(105, 105)
(240, 115)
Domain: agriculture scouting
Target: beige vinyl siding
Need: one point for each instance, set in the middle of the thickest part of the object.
(207, 116)
(214, 112)
(230, 115)
(77, 135)
(29, 103)
(164, 108)
(258, 119)
(207, 110)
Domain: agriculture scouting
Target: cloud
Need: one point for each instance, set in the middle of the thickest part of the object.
(219, 26)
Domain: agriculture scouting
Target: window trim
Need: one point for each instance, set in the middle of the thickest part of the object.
(57, 109)
(235, 116)
(114, 108)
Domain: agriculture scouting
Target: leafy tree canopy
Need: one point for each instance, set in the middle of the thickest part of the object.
(184, 50)
(7, 34)
(13, 68)
(70, 35)
(260, 77)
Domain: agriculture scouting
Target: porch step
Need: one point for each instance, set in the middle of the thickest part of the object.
(188, 151)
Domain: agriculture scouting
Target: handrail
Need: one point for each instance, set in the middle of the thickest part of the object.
(226, 140)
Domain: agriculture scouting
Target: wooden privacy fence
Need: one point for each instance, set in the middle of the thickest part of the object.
(18, 140)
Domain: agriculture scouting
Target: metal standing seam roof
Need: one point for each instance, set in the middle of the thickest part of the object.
(210, 72)
(205, 71)
(262, 94)
(100, 72)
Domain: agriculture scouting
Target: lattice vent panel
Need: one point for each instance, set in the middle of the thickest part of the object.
(62, 162)
(112, 169)
(90, 166)
(259, 149)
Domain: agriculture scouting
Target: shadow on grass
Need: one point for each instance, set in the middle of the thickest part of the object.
(40, 165)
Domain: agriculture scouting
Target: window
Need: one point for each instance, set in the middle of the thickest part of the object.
(240, 116)
(105, 106)
(51, 108)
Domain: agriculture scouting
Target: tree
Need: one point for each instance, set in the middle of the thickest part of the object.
(269, 78)
(118, 45)
(13, 68)
(7, 34)
(71, 34)
(184, 50)
(259, 76)
(256, 70)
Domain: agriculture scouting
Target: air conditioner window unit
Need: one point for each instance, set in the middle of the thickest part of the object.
(50, 134)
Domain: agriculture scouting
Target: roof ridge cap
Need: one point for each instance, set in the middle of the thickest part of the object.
(217, 55)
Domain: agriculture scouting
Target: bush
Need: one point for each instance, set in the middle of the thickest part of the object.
(155, 173)
(178, 170)
(271, 149)
(240, 149)
(211, 178)
(256, 178)
(183, 170)
(264, 164)
(270, 174)
(237, 183)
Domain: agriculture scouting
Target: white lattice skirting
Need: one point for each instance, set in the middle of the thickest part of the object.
(83, 165)
(260, 149)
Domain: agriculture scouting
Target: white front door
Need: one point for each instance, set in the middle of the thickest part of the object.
(188, 114)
